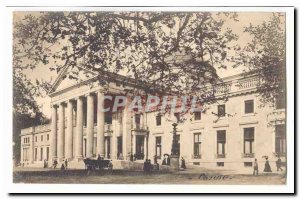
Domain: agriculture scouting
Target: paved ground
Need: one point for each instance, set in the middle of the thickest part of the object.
(190, 176)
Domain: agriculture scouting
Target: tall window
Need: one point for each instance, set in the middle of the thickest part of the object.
(108, 118)
(42, 138)
(158, 120)
(280, 139)
(248, 140)
(280, 101)
(137, 120)
(47, 137)
(178, 117)
(221, 110)
(249, 106)
(41, 156)
(221, 142)
(197, 145)
(35, 154)
(47, 153)
(158, 146)
(197, 115)
(35, 138)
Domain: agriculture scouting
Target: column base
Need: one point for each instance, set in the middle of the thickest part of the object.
(53, 158)
(174, 162)
(61, 159)
(78, 158)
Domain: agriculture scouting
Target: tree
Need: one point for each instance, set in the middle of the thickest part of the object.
(160, 51)
(265, 56)
(26, 112)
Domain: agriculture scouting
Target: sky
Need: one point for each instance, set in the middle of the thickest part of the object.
(245, 18)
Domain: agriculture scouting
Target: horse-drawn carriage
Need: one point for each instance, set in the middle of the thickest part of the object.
(92, 164)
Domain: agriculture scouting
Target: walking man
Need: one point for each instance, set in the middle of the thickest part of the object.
(255, 168)
(279, 164)
(66, 163)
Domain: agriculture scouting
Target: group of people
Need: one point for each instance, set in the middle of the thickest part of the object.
(147, 166)
(166, 160)
(267, 166)
(134, 157)
(63, 166)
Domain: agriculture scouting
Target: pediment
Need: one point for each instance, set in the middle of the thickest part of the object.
(71, 76)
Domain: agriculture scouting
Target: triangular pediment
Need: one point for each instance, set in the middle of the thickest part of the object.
(71, 76)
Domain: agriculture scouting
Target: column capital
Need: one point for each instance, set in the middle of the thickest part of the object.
(63, 103)
(71, 100)
(78, 97)
(54, 105)
(90, 94)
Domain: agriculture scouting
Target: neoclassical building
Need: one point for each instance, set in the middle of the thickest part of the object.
(228, 134)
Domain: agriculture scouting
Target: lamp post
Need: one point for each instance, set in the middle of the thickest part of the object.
(174, 158)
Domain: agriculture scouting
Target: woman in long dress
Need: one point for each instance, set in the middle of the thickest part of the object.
(267, 166)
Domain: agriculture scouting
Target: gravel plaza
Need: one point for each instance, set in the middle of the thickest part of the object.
(189, 176)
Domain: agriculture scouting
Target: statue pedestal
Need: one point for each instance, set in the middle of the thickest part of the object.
(174, 162)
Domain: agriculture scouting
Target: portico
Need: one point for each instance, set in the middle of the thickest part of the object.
(74, 119)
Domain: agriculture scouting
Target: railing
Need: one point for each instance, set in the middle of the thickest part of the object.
(276, 115)
(27, 130)
(277, 154)
(248, 155)
(236, 85)
(247, 83)
(220, 155)
(199, 156)
(137, 126)
(43, 128)
(108, 128)
(222, 89)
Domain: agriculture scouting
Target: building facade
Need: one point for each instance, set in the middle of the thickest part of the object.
(228, 134)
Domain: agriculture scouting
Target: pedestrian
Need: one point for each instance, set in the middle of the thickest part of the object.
(66, 163)
(183, 166)
(168, 160)
(164, 162)
(149, 166)
(62, 166)
(131, 157)
(145, 166)
(55, 164)
(267, 165)
(99, 157)
(45, 163)
(255, 168)
(279, 164)
(155, 159)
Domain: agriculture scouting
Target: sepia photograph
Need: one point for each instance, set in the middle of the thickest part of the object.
(149, 97)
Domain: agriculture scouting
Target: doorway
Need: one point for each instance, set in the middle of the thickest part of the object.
(140, 152)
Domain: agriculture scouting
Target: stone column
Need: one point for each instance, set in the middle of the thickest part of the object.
(106, 148)
(90, 126)
(32, 148)
(126, 133)
(133, 144)
(61, 133)
(79, 129)
(145, 147)
(100, 124)
(22, 151)
(69, 136)
(113, 138)
(53, 135)
(141, 121)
